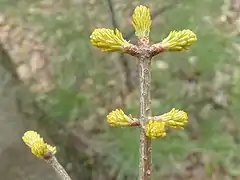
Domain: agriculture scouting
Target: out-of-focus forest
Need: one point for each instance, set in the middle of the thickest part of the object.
(54, 81)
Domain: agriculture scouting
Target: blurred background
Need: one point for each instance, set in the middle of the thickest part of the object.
(55, 82)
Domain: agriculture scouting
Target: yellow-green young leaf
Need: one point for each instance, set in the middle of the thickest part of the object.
(155, 129)
(175, 118)
(179, 40)
(108, 40)
(118, 118)
(141, 20)
(38, 147)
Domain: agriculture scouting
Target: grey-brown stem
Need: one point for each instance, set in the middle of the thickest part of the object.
(145, 159)
(63, 175)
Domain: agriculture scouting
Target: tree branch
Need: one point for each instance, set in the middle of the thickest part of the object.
(144, 69)
(113, 15)
(124, 62)
(62, 174)
(129, 75)
(145, 160)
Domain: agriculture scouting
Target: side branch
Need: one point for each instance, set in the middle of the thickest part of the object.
(62, 174)
(132, 50)
(156, 49)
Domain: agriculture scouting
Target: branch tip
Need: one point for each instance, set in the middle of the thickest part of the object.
(141, 21)
(37, 145)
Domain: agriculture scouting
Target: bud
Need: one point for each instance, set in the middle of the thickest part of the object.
(141, 20)
(108, 40)
(38, 147)
(179, 40)
(118, 118)
(155, 129)
(175, 118)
